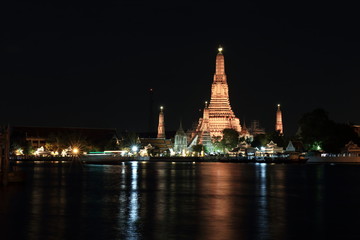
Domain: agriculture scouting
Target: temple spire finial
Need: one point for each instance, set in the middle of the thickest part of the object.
(220, 49)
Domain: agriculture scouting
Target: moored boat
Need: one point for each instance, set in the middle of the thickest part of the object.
(334, 158)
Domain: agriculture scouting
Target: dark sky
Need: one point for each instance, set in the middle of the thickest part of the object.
(91, 64)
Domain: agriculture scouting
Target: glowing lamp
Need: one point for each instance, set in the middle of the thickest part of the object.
(134, 148)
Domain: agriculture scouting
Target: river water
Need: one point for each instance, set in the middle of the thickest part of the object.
(142, 200)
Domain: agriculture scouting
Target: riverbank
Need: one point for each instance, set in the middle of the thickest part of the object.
(110, 160)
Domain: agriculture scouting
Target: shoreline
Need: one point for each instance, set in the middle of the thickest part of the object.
(109, 160)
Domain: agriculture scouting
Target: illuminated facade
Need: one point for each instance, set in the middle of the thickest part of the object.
(218, 115)
(161, 126)
(180, 143)
(279, 124)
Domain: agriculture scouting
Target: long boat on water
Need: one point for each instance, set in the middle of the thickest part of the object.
(335, 158)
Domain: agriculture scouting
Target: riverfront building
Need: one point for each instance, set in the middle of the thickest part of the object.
(36, 137)
(180, 142)
(159, 145)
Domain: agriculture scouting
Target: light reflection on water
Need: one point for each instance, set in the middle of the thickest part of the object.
(262, 208)
(139, 200)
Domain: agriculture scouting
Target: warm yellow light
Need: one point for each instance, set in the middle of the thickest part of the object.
(75, 150)
(278, 105)
(220, 49)
(161, 107)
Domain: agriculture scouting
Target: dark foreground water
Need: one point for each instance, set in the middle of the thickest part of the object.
(183, 201)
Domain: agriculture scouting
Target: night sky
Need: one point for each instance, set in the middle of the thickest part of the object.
(91, 64)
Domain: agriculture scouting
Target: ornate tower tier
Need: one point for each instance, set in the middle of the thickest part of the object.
(219, 110)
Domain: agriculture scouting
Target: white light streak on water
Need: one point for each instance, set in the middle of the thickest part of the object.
(134, 205)
(262, 195)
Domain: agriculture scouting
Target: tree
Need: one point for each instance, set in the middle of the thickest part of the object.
(197, 149)
(339, 135)
(112, 144)
(276, 137)
(317, 132)
(314, 128)
(217, 145)
(230, 138)
(129, 139)
(259, 140)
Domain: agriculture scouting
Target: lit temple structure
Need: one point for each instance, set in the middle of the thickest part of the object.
(161, 126)
(218, 115)
(180, 142)
(279, 124)
(156, 144)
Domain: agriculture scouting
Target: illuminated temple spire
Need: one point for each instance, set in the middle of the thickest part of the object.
(220, 66)
(220, 114)
(279, 124)
(161, 126)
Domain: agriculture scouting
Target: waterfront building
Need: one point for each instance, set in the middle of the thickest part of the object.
(279, 124)
(157, 146)
(37, 137)
(272, 148)
(180, 142)
(161, 126)
(156, 143)
(351, 149)
(218, 115)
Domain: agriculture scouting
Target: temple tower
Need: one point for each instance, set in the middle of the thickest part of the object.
(205, 136)
(279, 124)
(161, 126)
(220, 114)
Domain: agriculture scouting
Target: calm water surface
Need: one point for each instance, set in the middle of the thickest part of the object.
(183, 201)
